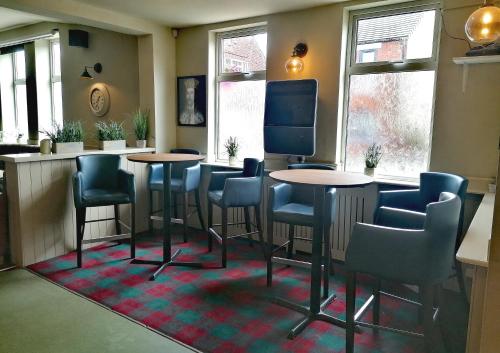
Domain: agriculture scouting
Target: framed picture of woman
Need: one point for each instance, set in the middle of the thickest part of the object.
(192, 100)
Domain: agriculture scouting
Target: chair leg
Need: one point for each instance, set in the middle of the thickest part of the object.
(350, 308)
(291, 236)
(427, 305)
(270, 241)
(376, 301)
(259, 228)
(132, 230)
(80, 222)
(248, 226)
(118, 226)
(174, 203)
(185, 205)
(150, 213)
(198, 208)
(224, 237)
(460, 279)
(210, 209)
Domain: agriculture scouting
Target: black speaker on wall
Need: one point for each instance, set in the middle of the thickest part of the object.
(78, 38)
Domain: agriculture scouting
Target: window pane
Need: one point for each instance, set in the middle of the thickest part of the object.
(56, 59)
(244, 54)
(396, 37)
(21, 110)
(57, 101)
(241, 114)
(393, 110)
(20, 65)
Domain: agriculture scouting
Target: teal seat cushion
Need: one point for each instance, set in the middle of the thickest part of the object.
(101, 197)
(215, 196)
(295, 213)
(176, 185)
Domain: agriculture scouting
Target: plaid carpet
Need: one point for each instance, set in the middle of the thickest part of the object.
(222, 310)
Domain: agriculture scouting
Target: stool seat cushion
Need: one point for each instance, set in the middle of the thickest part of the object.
(176, 185)
(295, 213)
(215, 196)
(101, 197)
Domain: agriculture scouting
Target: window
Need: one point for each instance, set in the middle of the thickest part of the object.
(55, 82)
(20, 101)
(241, 85)
(389, 93)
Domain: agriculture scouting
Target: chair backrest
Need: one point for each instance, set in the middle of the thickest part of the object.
(442, 221)
(304, 194)
(178, 168)
(253, 167)
(100, 171)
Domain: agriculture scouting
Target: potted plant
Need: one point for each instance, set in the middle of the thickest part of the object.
(67, 138)
(372, 157)
(111, 135)
(141, 127)
(232, 146)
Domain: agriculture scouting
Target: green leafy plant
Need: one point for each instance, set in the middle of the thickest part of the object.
(373, 155)
(70, 131)
(232, 146)
(111, 131)
(141, 127)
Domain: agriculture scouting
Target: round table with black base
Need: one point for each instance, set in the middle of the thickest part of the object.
(167, 159)
(320, 180)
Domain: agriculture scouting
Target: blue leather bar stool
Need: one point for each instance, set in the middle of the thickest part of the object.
(99, 181)
(236, 189)
(294, 205)
(185, 179)
(420, 256)
(432, 184)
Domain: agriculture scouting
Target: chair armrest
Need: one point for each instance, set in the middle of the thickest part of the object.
(391, 253)
(155, 172)
(218, 179)
(78, 189)
(126, 183)
(191, 177)
(240, 192)
(279, 195)
(399, 218)
(406, 199)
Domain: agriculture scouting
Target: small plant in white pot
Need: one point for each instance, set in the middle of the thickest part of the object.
(111, 135)
(232, 146)
(67, 138)
(372, 158)
(141, 127)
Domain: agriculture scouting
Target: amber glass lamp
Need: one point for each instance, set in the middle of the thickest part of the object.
(483, 25)
(295, 64)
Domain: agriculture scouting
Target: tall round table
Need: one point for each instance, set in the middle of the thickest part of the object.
(320, 181)
(167, 159)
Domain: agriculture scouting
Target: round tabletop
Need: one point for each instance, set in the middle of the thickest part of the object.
(164, 157)
(320, 177)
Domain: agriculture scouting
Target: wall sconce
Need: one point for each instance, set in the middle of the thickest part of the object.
(295, 64)
(483, 25)
(85, 74)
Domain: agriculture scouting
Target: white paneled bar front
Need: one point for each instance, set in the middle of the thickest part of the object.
(41, 210)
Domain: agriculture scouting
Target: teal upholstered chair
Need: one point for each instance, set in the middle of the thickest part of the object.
(294, 205)
(419, 256)
(432, 184)
(185, 179)
(99, 181)
(236, 189)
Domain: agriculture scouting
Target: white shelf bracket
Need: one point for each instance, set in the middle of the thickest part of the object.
(465, 77)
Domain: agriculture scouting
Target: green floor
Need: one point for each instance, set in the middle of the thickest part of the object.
(38, 316)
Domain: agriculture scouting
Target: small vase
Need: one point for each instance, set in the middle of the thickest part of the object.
(369, 171)
(233, 161)
(141, 143)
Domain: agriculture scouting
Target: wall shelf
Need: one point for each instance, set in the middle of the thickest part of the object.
(473, 60)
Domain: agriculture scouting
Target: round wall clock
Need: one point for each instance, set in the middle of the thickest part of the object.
(99, 99)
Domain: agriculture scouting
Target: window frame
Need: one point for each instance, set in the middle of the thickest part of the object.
(53, 78)
(15, 83)
(404, 65)
(221, 76)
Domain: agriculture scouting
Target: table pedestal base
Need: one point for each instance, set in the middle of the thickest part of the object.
(163, 264)
(310, 315)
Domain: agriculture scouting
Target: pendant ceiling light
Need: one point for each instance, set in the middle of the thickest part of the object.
(483, 25)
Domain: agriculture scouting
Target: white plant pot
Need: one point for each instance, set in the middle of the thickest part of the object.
(233, 161)
(67, 147)
(141, 143)
(112, 145)
(370, 171)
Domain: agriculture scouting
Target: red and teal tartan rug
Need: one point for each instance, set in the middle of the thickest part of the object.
(222, 310)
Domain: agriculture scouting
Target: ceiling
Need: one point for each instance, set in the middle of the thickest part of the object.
(12, 18)
(185, 13)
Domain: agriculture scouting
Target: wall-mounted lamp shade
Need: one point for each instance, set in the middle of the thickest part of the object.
(86, 75)
(483, 25)
(295, 64)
